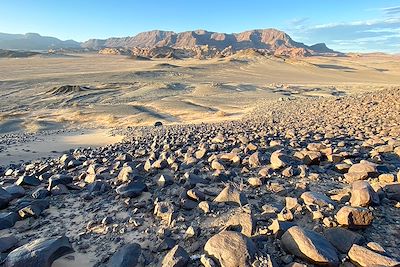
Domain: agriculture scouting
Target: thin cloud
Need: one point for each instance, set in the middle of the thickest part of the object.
(298, 21)
(391, 10)
(364, 35)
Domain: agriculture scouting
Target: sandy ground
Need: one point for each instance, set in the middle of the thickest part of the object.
(123, 92)
(43, 146)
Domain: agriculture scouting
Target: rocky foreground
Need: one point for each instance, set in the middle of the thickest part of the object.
(307, 182)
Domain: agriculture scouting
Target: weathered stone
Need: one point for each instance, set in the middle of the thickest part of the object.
(230, 194)
(8, 219)
(132, 189)
(7, 242)
(59, 179)
(365, 257)
(279, 159)
(216, 165)
(280, 227)
(5, 198)
(231, 249)
(176, 257)
(34, 209)
(392, 191)
(165, 180)
(315, 198)
(254, 181)
(28, 180)
(361, 171)
(165, 210)
(310, 246)
(244, 221)
(40, 252)
(362, 194)
(40, 193)
(127, 256)
(196, 195)
(254, 160)
(126, 174)
(204, 206)
(342, 239)
(16, 191)
(354, 217)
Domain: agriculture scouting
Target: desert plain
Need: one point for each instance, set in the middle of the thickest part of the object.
(295, 159)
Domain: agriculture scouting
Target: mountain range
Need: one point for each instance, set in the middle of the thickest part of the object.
(267, 39)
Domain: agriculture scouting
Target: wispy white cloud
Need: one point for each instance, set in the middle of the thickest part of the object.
(364, 35)
(391, 10)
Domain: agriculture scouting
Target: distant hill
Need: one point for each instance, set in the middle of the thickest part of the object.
(271, 41)
(34, 41)
(268, 39)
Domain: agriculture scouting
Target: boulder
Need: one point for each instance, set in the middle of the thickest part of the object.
(40, 193)
(310, 246)
(279, 159)
(126, 174)
(176, 257)
(364, 257)
(28, 180)
(57, 179)
(16, 191)
(231, 195)
(34, 208)
(361, 171)
(7, 242)
(231, 249)
(40, 252)
(8, 219)
(5, 198)
(362, 194)
(354, 217)
(132, 189)
(392, 191)
(342, 239)
(254, 160)
(244, 221)
(127, 256)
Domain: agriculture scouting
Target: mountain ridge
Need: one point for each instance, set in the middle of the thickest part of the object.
(270, 39)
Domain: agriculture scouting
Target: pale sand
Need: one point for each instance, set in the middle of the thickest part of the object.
(54, 145)
(126, 92)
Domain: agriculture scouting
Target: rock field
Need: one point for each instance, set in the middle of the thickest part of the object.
(304, 182)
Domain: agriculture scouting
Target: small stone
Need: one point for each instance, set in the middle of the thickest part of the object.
(254, 181)
(315, 198)
(204, 206)
(165, 211)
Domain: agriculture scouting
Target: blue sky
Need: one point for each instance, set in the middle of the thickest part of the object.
(345, 25)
